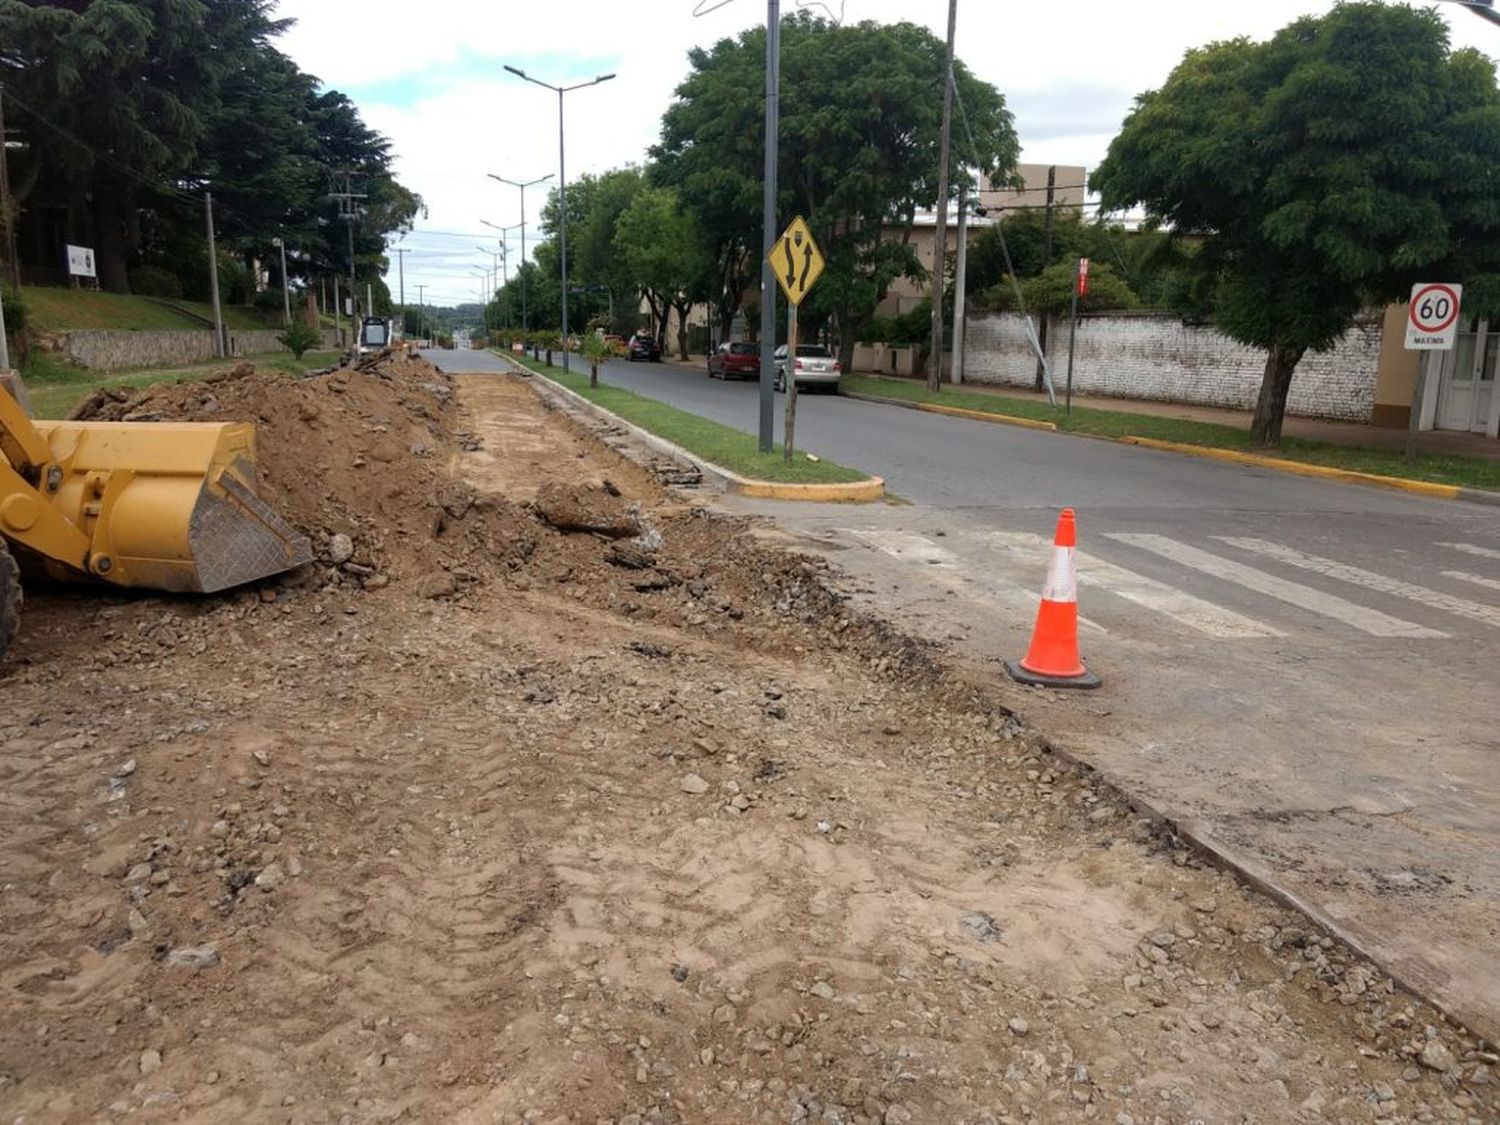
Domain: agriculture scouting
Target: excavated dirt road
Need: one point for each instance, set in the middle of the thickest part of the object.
(561, 827)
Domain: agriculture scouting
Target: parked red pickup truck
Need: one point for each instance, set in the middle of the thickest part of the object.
(737, 360)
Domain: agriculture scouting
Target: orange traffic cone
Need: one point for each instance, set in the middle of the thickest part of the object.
(1053, 660)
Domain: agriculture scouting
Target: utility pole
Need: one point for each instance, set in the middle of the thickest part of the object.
(562, 207)
(770, 231)
(213, 277)
(12, 258)
(421, 312)
(401, 275)
(286, 289)
(349, 213)
(940, 235)
(960, 279)
(1046, 261)
(4, 344)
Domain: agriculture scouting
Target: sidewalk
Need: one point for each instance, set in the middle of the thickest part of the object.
(1442, 442)
(1354, 434)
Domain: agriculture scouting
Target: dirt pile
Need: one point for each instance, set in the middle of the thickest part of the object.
(376, 465)
(357, 459)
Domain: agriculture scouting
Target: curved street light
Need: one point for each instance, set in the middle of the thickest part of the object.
(562, 186)
(525, 318)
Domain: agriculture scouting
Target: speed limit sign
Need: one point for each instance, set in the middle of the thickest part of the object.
(1432, 316)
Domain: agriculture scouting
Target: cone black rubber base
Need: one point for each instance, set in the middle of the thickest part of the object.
(1022, 676)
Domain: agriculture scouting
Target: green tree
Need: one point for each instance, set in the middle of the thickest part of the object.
(132, 82)
(859, 153)
(1051, 291)
(666, 252)
(595, 260)
(132, 108)
(1323, 170)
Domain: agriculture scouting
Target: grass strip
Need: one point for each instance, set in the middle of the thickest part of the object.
(56, 387)
(723, 445)
(1466, 472)
(61, 309)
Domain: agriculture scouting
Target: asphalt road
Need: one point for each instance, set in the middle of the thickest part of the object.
(1306, 672)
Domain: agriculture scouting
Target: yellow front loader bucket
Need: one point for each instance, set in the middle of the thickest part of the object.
(161, 505)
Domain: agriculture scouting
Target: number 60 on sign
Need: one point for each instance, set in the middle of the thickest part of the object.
(1432, 316)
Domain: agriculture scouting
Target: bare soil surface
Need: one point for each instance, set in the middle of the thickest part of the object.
(573, 827)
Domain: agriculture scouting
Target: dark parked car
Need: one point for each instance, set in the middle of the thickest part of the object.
(736, 360)
(643, 347)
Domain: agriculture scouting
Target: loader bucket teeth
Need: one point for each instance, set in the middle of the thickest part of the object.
(236, 537)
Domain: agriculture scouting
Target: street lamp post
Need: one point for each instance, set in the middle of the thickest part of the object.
(505, 255)
(562, 188)
(525, 318)
(1484, 9)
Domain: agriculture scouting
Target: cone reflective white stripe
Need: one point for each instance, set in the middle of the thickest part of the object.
(1052, 660)
(1062, 576)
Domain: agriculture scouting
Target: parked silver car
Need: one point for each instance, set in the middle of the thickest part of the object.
(815, 367)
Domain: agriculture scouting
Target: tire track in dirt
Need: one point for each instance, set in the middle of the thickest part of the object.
(454, 866)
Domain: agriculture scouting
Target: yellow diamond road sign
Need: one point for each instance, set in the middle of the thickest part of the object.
(796, 260)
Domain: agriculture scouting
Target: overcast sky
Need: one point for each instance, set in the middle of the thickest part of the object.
(429, 76)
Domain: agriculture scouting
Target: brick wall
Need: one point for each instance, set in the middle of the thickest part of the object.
(119, 350)
(1158, 357)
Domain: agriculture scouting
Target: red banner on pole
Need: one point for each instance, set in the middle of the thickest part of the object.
(1083, 277)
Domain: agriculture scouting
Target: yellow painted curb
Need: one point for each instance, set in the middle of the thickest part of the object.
(1301, 468)
(859, 492)
(986, 416)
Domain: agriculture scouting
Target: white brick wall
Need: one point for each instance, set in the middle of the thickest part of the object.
(1160, 358)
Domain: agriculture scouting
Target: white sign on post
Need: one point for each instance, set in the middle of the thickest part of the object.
(81, 261)
(1432, 316)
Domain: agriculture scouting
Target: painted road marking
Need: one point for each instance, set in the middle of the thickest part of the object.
(1332, 568)
(906, 546)
(918, 549)
(1472, 549)
(1183, 608)
(1303, 597)
(1477, 579)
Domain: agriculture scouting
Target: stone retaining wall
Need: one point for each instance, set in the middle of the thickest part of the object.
(112, 350)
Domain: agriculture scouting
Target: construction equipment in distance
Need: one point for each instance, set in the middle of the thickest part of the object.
(152, 505)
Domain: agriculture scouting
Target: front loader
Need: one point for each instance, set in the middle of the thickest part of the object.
(150, 505)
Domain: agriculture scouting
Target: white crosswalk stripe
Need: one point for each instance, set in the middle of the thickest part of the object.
(1294, 593)
(1477, 579)
(918, 549)
(1474, 549)
(1195, 613)
(1332, 568)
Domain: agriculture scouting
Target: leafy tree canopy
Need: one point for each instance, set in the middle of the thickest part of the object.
(861, 110)
(1323, 170)
(148, 102)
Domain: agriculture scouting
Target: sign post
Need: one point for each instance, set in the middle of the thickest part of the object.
(80, 264)
(797, 263)
(1080, 289)
(1432, 319)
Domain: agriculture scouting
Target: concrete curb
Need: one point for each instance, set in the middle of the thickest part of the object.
(1325, 472)
(953, 411)
(856, 492)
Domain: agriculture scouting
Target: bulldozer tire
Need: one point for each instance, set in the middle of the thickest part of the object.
(10, 598)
